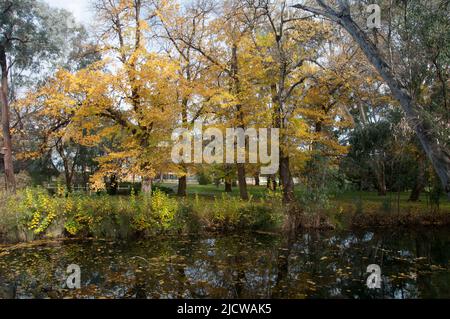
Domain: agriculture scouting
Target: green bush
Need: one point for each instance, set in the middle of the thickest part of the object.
(35, 213)
(204, 179)
(164, 189)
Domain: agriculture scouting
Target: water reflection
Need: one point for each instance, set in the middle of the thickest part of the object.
(415, 264)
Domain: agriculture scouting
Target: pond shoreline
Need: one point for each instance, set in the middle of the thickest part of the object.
(34, 214)
(374, 223)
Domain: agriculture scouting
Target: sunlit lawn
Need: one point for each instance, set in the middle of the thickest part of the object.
(345, 199)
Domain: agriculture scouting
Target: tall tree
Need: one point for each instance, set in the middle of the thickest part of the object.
(29, 37)
(192, 88)
(144, 81)
(387, 59)
(290, 67)
(223, 28)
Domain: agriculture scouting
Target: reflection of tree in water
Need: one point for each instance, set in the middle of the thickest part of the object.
(310, 265)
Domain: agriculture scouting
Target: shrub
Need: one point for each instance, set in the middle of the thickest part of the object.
(164, 189)
(203, 178)
(35, 213)
(164, 209)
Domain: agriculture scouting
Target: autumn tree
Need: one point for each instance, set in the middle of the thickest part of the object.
(221, 43)
(179, 26)
(289, 55)
(142, 87)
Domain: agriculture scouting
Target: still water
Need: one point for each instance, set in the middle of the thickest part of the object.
(414, 264)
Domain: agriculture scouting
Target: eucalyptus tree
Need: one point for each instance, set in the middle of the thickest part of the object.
(410, 50)
(32, 37)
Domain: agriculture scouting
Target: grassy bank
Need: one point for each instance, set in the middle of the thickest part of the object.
(346, 200)
(350, 209)
(34, 214)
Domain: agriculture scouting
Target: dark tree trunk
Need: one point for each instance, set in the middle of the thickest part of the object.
(228, 186)
(236, 89)
(242, 181)
(112, 185)
(68, 182)
(380, 176)
(69, 170)
(7, 140)
(182, 186)
(420, 182)
(182, 181)
(68, 175)
(286, 180)
(257, 181)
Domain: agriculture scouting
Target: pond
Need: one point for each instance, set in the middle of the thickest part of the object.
(414, 264)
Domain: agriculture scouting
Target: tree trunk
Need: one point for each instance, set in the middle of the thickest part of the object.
(439, 157)
(182, 186)
(419, 183)
(272, 182)
(68, 181)
(257, 180)
(242, 181)
(7, 142)
(112, 185)
(286, 180)
(182, 181)
(68, 176)
(380, 175)
(228, 186)
(147, 186)
(236, 90)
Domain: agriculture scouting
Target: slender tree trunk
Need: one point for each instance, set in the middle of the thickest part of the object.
(242, 181)
(67, 174)
(286, 180)
(228, 186)
(236, 89)
(380, 176)
(68, 181)
(419, 183)
(272, 182)
(182, 186)
(7, 141)
(182, 181)
(439, 157)
(257, 180)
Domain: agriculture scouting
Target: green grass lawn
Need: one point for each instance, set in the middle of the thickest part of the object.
(370, 200)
